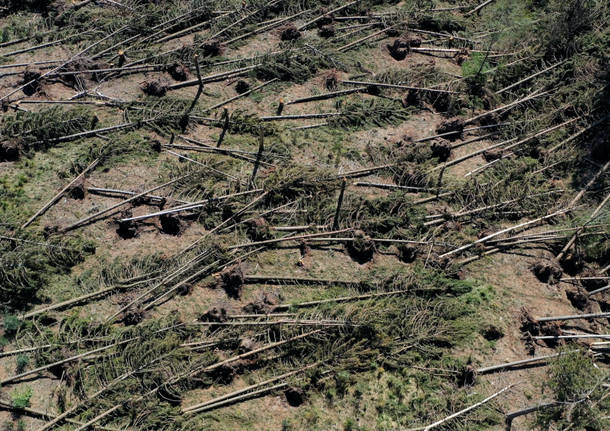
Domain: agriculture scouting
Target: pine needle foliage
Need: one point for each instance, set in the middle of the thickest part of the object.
(364, 112)
(37, 130)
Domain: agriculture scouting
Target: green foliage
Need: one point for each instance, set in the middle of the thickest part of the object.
(576, 383)
(290, 65)
(566, 21)
(38, 130)
(12, 324)
(392, 215)
(243, 123)
(21, 363)
(21, 398)
(288, 183)
(474, 71)
(29, 262)
(442, 22)
(362, 112)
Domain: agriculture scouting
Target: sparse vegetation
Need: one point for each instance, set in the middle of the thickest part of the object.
(304, 214)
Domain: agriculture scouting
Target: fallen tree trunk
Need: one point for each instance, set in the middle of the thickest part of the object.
(339, 299)
(402, 87)
(574, 317)
(288, 238)
(265, 279)
(513, 415)
(499, 367)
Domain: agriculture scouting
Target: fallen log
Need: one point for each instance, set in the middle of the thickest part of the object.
(339, 299)
(402, 87)
(574, 317)
(493, 368)
(508, 420)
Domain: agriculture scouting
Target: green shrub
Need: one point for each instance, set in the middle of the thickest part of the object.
(11, 325)
(575, 383)
(21, 399)
(22, 361)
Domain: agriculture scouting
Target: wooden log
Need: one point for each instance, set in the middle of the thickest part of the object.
(288, 238)
(478, 8)
(42, 45)
(236, 398)
(468, 129)
(493, 368)
(394, 187)
(224, 102)
(521, 81)
(225, 127)
(197, 95)
(103, 191)
(339, 202)
(325, 96)
(300, 116)
(308, 281)
(532, 96)
(265, 28)
(63, 64)
(7, 405)
(259, 155)
(579, 133)
(216, 171)
(19, 376)
(70, 302)
(508, 420)
(212, 78)
(570, 337)
(581, 193)
(574, 317)
(600, 290)
(339, 299)
(239, 21)
(359, 41)
(402, 87)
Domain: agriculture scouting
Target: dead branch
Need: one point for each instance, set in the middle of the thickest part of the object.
(55, 198)
(591, 217)
(466, 410)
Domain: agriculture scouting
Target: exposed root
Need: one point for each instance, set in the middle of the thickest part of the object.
(547, 271)
(289, 32)
(154, 88)
(232, 281)
(361, 249)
